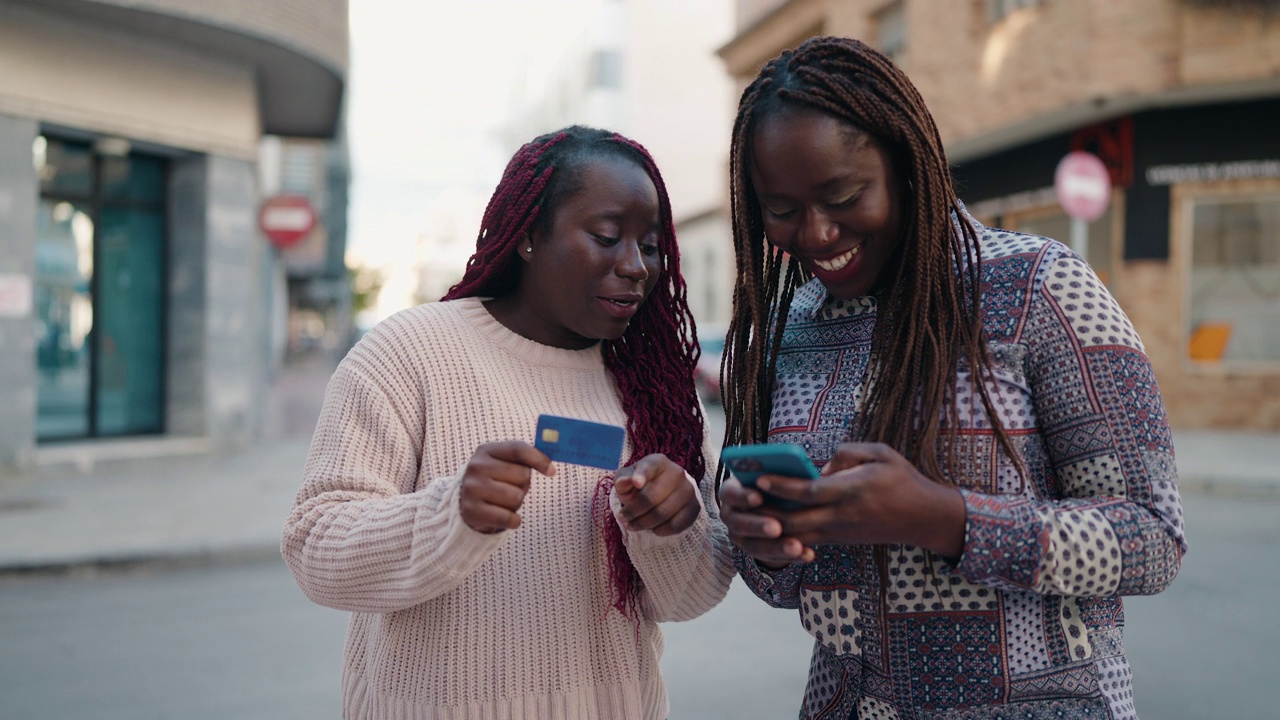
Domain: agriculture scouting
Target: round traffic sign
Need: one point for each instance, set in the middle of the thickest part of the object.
(1083, 185)
(286, 219)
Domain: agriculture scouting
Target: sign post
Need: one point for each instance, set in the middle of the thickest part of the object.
(1083, 187)
(286, 219)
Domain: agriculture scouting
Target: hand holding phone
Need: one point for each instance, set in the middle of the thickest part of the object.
(749, 462)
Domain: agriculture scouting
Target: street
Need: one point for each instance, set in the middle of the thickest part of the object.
(238, 640)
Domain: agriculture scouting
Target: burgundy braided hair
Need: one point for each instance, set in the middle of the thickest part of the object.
(652, 362)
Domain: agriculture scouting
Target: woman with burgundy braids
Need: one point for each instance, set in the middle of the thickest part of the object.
(486, 581)
(996, 464)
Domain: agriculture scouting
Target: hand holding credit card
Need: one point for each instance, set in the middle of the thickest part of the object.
(580, 442)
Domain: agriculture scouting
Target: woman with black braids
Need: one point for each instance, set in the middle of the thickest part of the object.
(484, 581)
(997, 468)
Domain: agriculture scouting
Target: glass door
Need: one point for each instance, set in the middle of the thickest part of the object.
(64, 306)
(100, 292)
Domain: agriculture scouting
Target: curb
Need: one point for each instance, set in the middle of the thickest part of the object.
(1233, 488)
(141, 561)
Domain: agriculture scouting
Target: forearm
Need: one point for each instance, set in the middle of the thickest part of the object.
(382, 554)
(683, 575)
(1083, 548)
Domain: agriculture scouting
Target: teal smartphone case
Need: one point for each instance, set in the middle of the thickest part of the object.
(748, 462)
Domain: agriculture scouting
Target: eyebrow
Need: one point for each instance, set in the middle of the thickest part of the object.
(834, 183)
(618, 216)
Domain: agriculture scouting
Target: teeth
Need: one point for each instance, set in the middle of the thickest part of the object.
(837, 263)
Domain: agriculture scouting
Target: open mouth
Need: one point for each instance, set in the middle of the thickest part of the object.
(621, 307)
(839, 262)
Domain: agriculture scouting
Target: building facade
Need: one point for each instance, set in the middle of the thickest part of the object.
(649, 70)
(1181, 101)
(135, 286)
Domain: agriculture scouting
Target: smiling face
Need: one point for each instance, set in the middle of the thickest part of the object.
(829, 196)
(593, 264)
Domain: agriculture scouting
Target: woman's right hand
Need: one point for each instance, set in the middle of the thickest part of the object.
(754, 529)
(495, 482)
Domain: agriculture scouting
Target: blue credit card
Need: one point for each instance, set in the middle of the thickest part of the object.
(580, 442)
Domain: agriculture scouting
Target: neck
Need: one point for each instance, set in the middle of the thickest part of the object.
(517, 315)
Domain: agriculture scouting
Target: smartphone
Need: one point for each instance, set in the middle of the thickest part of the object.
(748, 462)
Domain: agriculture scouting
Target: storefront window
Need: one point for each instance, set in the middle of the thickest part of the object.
(1234, 290)
(64, 306)
(99, 292)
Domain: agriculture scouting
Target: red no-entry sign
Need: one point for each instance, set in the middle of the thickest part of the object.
(286, 219)
(1083, 185)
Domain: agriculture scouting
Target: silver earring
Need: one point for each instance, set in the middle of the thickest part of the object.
(529, 249)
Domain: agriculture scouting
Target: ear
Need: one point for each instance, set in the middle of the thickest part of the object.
(528, 245)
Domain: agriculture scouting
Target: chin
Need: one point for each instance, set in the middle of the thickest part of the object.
(848, 291)
(616, 334)
(604, 332)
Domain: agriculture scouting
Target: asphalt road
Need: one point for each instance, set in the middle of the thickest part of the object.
(239, 641)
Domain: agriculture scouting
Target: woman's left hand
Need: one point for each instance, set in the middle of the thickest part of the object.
(870, 494)
(657, 496)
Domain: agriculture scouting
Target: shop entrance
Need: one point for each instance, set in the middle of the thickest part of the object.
(99, 291)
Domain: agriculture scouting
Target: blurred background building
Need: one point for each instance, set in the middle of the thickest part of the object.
(1181, 101)
(140, 304)
(649, 70)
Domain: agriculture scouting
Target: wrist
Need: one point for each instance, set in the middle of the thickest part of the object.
(946, 526)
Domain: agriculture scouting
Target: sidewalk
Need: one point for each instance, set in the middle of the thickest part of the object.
(190, 506)
(208, 507)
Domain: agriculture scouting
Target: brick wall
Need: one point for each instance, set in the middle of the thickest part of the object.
(979, 77)
(982, 79)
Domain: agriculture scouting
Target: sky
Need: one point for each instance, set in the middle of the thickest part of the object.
(429, 85)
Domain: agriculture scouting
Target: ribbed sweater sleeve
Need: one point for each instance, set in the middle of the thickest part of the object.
(359, 539)
(684, 575)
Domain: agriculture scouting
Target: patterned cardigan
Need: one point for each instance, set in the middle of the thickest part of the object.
(1027, 624)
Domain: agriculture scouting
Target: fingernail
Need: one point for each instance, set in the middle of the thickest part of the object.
(762, 484)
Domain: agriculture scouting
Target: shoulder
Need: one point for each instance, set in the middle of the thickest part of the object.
(406, 339)
(1014, 260)
(1015, 269)
(997, 244)
(404, 328)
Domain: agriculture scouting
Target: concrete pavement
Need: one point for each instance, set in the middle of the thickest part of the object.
(167, 500)
(176, 501)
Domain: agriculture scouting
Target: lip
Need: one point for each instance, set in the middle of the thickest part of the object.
(839, 267)
(622, 305)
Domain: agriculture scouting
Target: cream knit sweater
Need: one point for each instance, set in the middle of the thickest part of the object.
(452, 623)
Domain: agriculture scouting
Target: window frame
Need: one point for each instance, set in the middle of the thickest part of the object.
(897, 11)
(96, 199)
(1183, 199)
(998, 10)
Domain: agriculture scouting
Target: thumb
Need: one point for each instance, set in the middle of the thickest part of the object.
(631, 483)
(852, 455)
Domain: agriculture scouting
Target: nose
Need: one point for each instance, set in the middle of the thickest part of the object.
(631, 263)
(816, 232)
